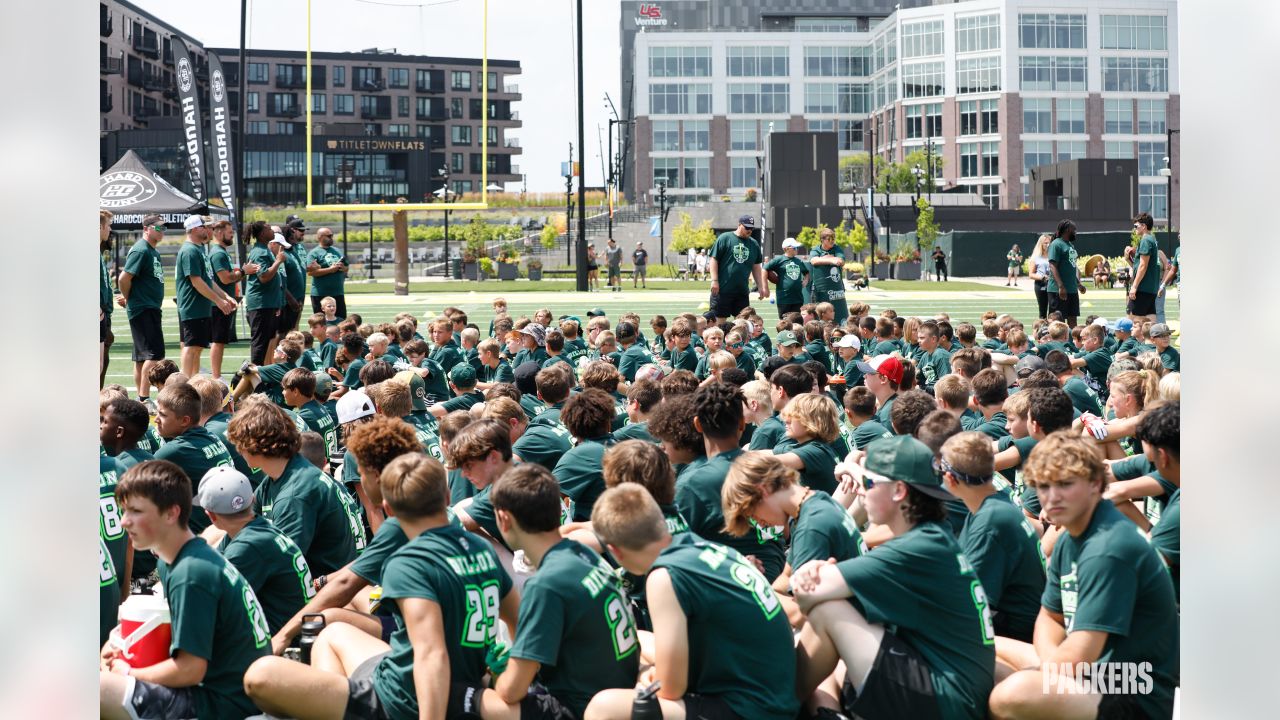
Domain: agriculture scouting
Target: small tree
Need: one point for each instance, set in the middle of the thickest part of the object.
(854, 238)
(926, 228)
(808, 236)
(549, 236)
(683, 235)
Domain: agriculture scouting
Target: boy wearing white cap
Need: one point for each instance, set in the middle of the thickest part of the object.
(197, 294)
(790, 274)
(270, 562)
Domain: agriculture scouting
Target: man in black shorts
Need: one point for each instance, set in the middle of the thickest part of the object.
(141, 285)
(197, 294)
(909, 619)
(735, 259)
(1146, 272)
(1064, 287)
(226, 277)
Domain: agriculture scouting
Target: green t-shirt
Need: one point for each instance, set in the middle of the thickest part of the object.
(192, 262)
(1151, 278)
(635, 357)
(1166, 539)
(1110, 579)
(273, 566)
(315, 512)
(389, 538)
(147, 288)
(828, 280)
(538, 355)
(330, 285)
(735, 257)
(686, 359)
(822, 530)
(427, 430)
(933, 365)
(921, 584)
(215, 615)
(575, 621)
(196, 451)
(575, 350)
(636, 431)
(995, 428)
(260, 295)
(544, 444)
(532, 406)
(1096, 364)
(134, 455)
(351, 378)
(1004, 551)
(217, 426)
(1063, 255)
(817, 350)
(740, 644)
(319, 420)
(220, 260)
(1083, 398)
(437, 385)
(1171, 359)
(819, 462)
(867, 431)
(459, 571)
(111, 547)
(884, 415)
(295, 275)
(481, 511)
(580, 476)
(500, 374)
(465, 401)
(769, 434)
(151, 441)
(460, 488)
(698, 499)
(106, 297)
(791, 272)
(272, 379)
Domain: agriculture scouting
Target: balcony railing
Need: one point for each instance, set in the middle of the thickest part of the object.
(110, 65)
(153, 81)
(171, 93)
(438, 114)
(286, 111)
(511, 89)
(428, 88)
(370, 85)
(291, 81)
(105, 26)
(145, 47)
(505, 116)
(142, 112)
(375, 114)
(511, 142)
(105, 103)
(168, 55)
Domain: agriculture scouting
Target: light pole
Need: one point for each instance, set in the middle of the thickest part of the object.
(443, 192)
(662, 220)
(918, 174)
(1167, 171)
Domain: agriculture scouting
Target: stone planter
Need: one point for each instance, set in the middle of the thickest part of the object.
(508, 271)
(880, 270)
(535, 273)
(470, 271)
(908, 271)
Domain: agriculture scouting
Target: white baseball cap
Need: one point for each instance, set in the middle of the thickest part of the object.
(849, 341)
(194, 221)
(280, 239)
(791, 243)
(353, 406)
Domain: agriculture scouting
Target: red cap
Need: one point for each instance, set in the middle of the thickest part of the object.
(887, 365)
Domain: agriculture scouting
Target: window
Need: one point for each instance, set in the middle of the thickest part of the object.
(1150, 158)
(1070, 150)
(849, 134)
(977, 33)
(697, 135)
(885, 47)
(461, 134)
(968, 117)
(990, 195)
(742, 135)
(921, 39)
(367, 78)
(1153, 198)
(1119, 150)
(1036, 153)
(251, 101)
(679, 99)
(1051, 30)
(922, 79)
(339, 75)
(371, 129)
(759, 98)
(1117, 116)
(820, 97)
(1070, 115)
(425, 131)
(344, 104)
(398, 77)
(402, 106)
(969, 159)
(1130, 74)
(697, 172)
(1052, 72)
(258, 73)
(753, 61)
(666, 171)
(491, 82)
(1151, 117)
(256, 127)
(491, 137)
(990, 159)
(460, 79)
(975, 75)
(457, 162)
(924, 120)
(1037, 115)
(461, 186)
(455, 108)
(990, 110)
(821, 24)
(1134, 32)
(398, 130)
(821, 125)
(742, 172)
(318, 102)
(666, 135)
(282, 103)
(667, 61)
(842, 61)
(475, 163)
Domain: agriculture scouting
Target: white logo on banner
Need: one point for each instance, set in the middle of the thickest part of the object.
(184, 75)
(121, 189)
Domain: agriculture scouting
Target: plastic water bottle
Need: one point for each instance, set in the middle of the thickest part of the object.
(646, 706)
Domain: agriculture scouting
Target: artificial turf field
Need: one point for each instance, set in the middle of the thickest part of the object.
(964, 301)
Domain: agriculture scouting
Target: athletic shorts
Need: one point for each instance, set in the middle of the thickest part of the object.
(708, 707)
(288, 320)
(1144, 303)
(148, 338)
(363, 702)
(104, 329)
(784, 308)
(144, 700)
(642, 271)
(224, 327)
(1070, 307)
(729, 304)
(899, 685)
(615, 272)
(196, 332)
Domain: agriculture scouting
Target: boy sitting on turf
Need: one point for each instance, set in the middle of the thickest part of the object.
(462, 379)
(588, 416)
(448, 593)
(353, 346)
(713, 339)
(714, 618)
(812, 424)
(218, 626)
(672, 424)
(860, 410)
(266, 379)
(188, 444)
(492, 368)
(909, 618)
(576, 633)
(554, 341)
(545, 441)
(989, 395)
(786, 383)
(299, 389)
(642, 397)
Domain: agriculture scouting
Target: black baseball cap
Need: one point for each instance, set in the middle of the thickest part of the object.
(747, 221)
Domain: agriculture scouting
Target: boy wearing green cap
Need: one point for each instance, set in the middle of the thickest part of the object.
(462, 379)
(909, 619)
(789, 348)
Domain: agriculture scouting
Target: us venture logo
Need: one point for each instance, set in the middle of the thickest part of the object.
(650, 15)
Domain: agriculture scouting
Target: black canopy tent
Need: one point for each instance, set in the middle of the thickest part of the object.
(131, 191)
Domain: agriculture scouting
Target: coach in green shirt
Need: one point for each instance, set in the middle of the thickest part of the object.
(828, 274)
(197, 294)
(141, 286)
(791, 272)
(1064, 286)
(328, 270)
(1146, 272)
(734, 259)
(264, 293)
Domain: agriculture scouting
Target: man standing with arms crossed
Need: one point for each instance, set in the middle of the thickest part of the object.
(1064, 281)
(790, 272)
(264, 294)
(141, 285)
(225, 277)
(828, 274)
(735, 256)
(197, 294)
(1146, 275)
(328, 270)
(640, 257)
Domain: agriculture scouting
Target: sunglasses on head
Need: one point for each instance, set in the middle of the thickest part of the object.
(941, 466)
